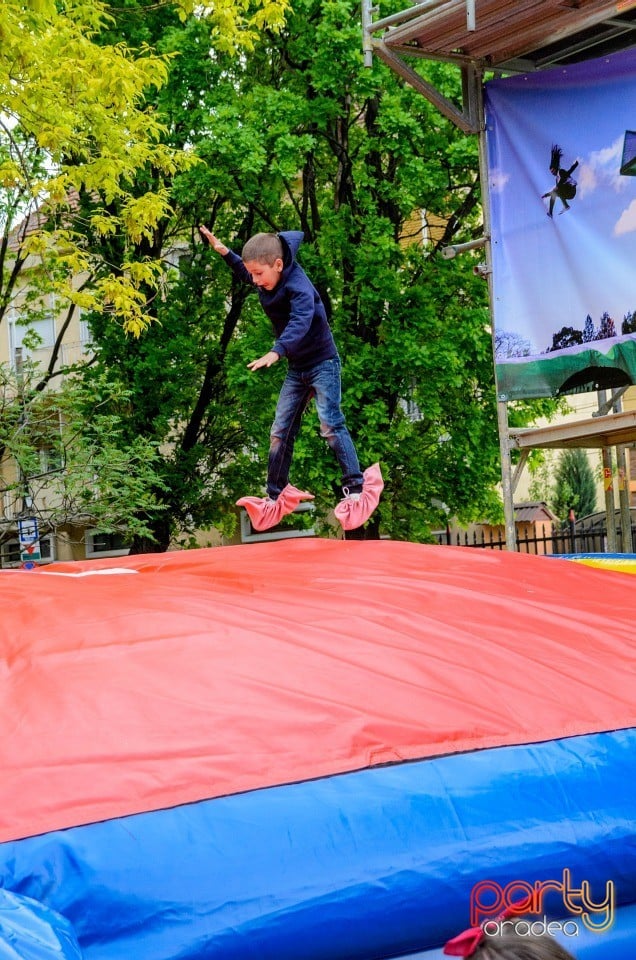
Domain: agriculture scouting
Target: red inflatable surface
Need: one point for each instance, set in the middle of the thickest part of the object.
(144, 682)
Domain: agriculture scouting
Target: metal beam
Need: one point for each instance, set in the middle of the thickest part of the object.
(402, 16)
(516, 477)
(608, 487)
(612, 404)
(410, 50)
(443, 104)
(622, 469)
(474, 95)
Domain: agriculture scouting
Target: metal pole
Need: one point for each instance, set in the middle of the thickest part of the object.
(623, 499)
(608, 487)
(449, 253)
(404, 15)
(471, 19)
(506, 476)
(623, 491)
(502, 401)
(367, 40)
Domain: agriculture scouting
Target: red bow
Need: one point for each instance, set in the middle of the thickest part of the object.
(466, 942)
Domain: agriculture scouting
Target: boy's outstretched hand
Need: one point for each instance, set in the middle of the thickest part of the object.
(213, 241)
(265, 361)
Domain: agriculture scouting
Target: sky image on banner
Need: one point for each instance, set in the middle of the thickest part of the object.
(562, 185)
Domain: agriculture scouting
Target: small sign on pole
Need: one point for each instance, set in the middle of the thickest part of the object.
(29, 537)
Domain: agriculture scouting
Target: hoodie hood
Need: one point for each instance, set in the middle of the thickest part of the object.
(291, 240)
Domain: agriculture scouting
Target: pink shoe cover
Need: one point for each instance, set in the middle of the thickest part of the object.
(353, 513)
(265, 513)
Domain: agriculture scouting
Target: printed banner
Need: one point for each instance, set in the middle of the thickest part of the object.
(562, 184)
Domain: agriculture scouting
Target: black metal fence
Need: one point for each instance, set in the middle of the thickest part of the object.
(557, 541)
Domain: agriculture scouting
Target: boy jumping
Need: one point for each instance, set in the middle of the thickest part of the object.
(304, 337)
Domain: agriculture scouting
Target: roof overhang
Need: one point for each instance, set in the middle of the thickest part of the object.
(597, 432)
(511, 35)
(498, 36)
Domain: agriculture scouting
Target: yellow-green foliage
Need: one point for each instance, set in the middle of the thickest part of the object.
(83, 109)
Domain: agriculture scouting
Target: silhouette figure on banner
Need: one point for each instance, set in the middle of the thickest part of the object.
(565, 186)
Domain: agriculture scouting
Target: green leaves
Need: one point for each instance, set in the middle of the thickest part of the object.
(71, 457)
(80, 118)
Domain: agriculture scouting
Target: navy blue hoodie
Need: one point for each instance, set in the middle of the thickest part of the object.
(298, 315)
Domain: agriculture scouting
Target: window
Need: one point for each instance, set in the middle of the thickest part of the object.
(46, 436)
(99, 544)
(249, 535)
(10, 552)
(86, 337)
(43, 329)
(11, 504)
(51, 460)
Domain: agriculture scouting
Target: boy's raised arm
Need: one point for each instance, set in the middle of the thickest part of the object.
(232, 259)
(214, 241)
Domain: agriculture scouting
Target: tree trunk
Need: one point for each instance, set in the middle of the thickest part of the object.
(161, 529)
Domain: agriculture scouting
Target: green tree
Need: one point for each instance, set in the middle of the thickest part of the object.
(566, 337)
(574, 485)
(68, 463)
(607, 327)
(74, 118)
(78, 116)
(628, 324)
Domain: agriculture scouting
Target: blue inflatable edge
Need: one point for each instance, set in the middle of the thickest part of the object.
(374, 864)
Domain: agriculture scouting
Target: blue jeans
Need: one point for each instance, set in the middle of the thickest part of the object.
(323, 383)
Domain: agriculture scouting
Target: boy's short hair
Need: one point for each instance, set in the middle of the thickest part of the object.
(263, 248)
